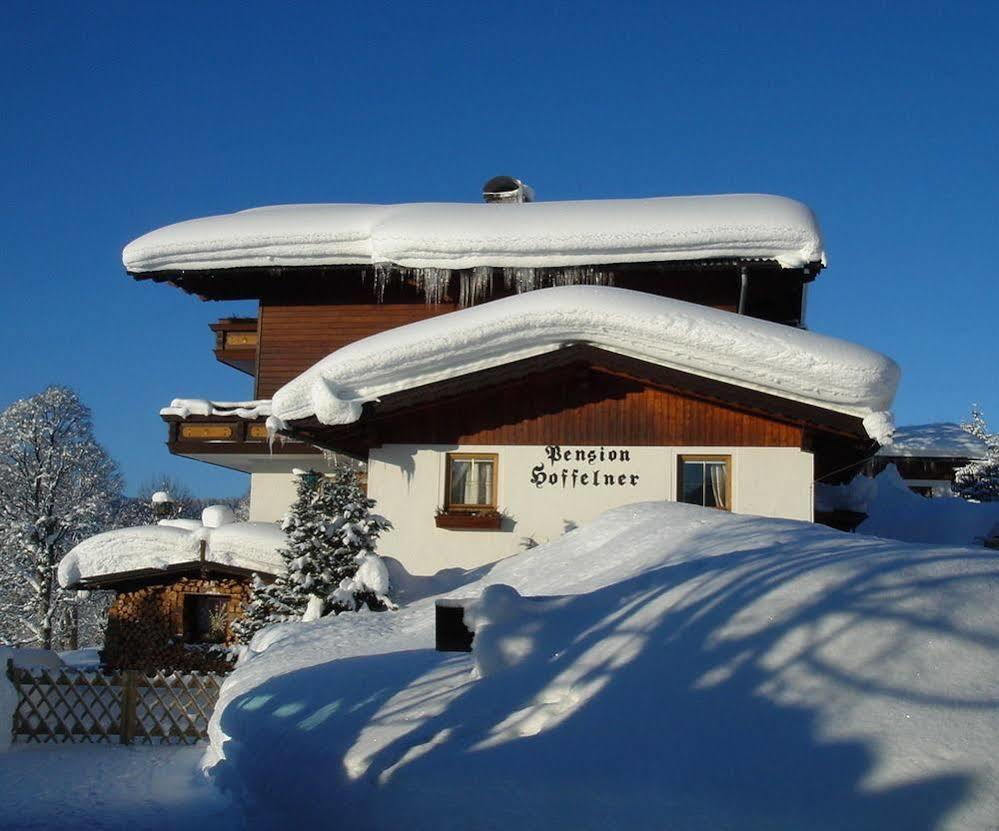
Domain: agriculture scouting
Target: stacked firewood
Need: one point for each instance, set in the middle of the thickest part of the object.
(145, 627)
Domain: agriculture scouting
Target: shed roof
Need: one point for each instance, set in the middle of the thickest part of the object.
(99, 560)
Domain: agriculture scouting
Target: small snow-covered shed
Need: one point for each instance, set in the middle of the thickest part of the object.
(927, 455)
(179, 586)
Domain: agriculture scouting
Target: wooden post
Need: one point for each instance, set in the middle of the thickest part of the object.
(13, 716)
(129, 698)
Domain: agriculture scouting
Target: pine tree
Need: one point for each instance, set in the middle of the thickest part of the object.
(57, 487)
(355, 531)
(331, 531)
(264, 608)
(978, 481)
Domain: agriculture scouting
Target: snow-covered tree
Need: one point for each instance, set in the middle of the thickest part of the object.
(57, 486)
(359, 576)
(330, 564)
(979, 480)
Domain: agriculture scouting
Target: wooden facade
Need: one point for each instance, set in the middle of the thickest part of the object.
(147, 627)
(295, 336)
(307, 313)
(586, 396)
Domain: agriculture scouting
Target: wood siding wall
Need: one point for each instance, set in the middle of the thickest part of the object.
(145, 628)
(590, 408)
(304, 323)
(293, 338)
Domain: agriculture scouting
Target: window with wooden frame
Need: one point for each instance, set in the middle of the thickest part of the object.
(705, 481)
(470, 484)
(206, 618)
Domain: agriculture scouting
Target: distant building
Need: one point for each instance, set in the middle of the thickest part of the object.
(927, 455)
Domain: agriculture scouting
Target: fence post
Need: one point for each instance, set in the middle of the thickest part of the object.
(129, 697)
(17, 700)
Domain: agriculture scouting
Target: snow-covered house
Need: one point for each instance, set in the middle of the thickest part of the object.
(510, 370)
(179, 585)
(927, 455)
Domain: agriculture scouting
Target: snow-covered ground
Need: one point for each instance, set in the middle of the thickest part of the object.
(700, 670)
(101, 788)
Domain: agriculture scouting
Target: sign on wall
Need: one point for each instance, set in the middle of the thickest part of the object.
(584, 467)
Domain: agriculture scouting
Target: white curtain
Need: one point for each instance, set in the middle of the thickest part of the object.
(719, 489)
(471, 482)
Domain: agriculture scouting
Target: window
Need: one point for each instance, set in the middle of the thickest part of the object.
(471, 481)
(205, 618)
(706, 480)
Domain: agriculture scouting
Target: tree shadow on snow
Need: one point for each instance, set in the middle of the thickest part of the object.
(684, 698)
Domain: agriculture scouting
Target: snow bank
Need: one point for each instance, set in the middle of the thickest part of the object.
(895, 511)
(215, 516)
(186, 407)
(460, 236)
(723, 671)
(780, 360)
(24, 659)
(249, 545)
(942, 440)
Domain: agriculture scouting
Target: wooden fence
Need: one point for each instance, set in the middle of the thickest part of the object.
(73, 705)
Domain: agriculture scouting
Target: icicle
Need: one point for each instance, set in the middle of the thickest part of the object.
(520, 279)
(433, 282)
(384, 272)
(474, 285)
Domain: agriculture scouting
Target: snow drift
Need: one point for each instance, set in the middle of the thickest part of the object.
(896, 512)
(689, 669)
(251, 545)
(461, 236)
(757, 354)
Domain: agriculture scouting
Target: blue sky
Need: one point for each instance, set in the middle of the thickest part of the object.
(123, 117)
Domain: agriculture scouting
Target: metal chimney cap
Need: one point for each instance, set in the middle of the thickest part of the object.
(507, 189)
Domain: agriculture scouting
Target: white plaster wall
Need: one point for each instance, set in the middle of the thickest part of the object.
(408, 484)
(271, 494)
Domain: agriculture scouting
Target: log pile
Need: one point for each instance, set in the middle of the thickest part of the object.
(146, 627)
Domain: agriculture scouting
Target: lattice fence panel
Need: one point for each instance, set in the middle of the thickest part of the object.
(174, 708)
(66, 705)
(72, 705)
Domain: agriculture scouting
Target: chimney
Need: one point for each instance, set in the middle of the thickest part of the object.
(507, 189)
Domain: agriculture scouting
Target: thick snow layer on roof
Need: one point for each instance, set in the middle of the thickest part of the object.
(781, 360)
(185, 407)
(250, 545)
(723, 671)
(942, 440)
(459, 236)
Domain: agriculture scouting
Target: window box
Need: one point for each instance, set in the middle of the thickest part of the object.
(482, 520)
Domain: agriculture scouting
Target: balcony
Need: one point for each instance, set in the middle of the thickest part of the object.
(236, 343)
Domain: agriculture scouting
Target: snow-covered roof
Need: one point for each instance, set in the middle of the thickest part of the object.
(253, 546)
(944, 440)
(756, 354)
(186, 407)
(461, 236)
